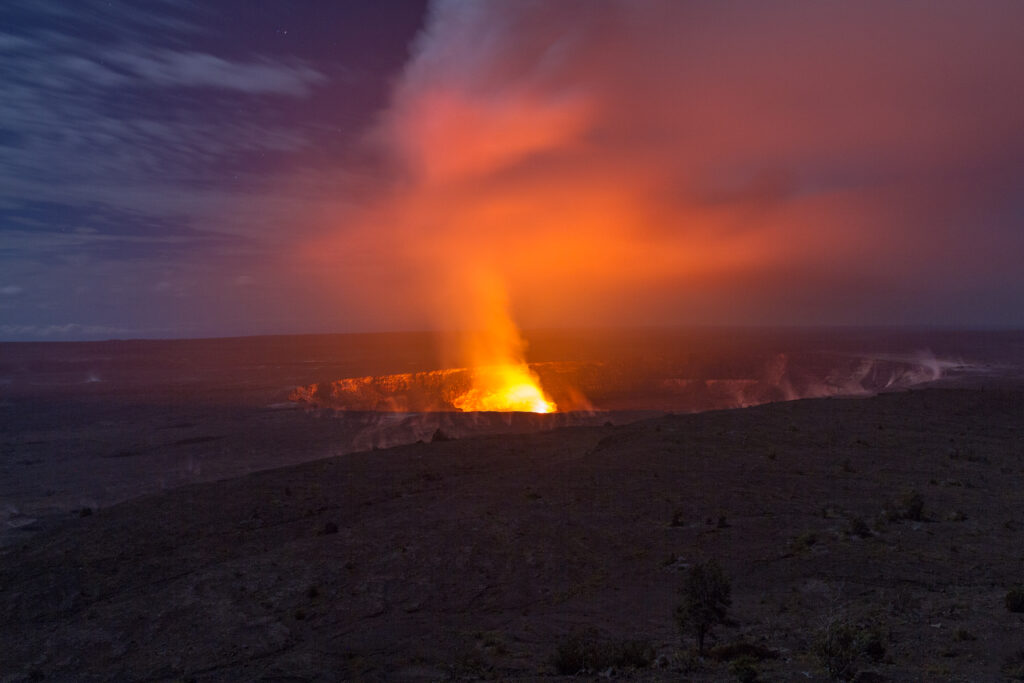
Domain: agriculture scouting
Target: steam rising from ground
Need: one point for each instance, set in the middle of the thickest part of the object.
(395, 409)
(648, 385)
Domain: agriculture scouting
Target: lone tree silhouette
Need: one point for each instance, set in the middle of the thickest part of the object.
(706, 598)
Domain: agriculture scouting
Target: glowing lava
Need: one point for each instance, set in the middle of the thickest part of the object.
(496, 355)
(505, 388)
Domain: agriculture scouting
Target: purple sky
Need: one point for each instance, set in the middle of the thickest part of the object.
(179, 169)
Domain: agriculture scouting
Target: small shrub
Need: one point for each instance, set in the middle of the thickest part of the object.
(912, 506)
(635, 654)
(1013, 666)
(962, 635)
(903, 600)
(909, 506)
(744, 669)
(741, 649)
(492, 642)
(1015, 600)
(578, 652)
(804, 541)
(685, 661)
(834, 647)
(858, 527)
(706, 598)
(840, 645)
(870, 644)
(586, 651)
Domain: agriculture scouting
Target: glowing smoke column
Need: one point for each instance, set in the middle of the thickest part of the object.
(454, 127)
(502, 381)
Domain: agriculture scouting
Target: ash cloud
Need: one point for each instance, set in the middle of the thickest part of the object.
(702, 163)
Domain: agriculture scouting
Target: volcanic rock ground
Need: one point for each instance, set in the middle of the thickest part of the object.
(477, 558)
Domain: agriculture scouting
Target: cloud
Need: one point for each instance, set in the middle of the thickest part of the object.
(174, 143)
(138, 115)
(11, 290)
(167, 68)
(672, 162)
(124, 149)
(72, 330)
(57, 231)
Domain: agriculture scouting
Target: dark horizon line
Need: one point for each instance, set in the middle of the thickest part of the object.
(917, 327)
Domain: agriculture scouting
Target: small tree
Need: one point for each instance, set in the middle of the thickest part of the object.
(706, 598)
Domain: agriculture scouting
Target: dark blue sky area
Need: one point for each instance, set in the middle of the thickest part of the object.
(154, 152)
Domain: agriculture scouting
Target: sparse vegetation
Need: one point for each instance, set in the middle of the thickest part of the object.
(1015, 600)
(804, 541)
(1013, 667)
(683, 661)
(744, 669)
(636, 525)
(586, 651)
(706, 598)
(829, 512)
(739, 650)
(912, 506)
(841, 645)
(903, 600)
(858, 527)
(492, 642)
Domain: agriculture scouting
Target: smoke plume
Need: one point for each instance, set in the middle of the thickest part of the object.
(590, 163)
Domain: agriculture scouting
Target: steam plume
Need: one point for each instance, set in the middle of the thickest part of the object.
(639, 162)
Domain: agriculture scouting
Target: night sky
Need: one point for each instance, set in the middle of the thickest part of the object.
(187, 169)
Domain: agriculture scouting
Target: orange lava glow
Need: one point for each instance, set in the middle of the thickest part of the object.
(496, 354)
(505, 389)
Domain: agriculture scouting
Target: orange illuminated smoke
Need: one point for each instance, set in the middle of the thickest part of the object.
(495, 354)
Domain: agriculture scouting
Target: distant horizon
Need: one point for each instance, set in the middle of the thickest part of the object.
(526, 332)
